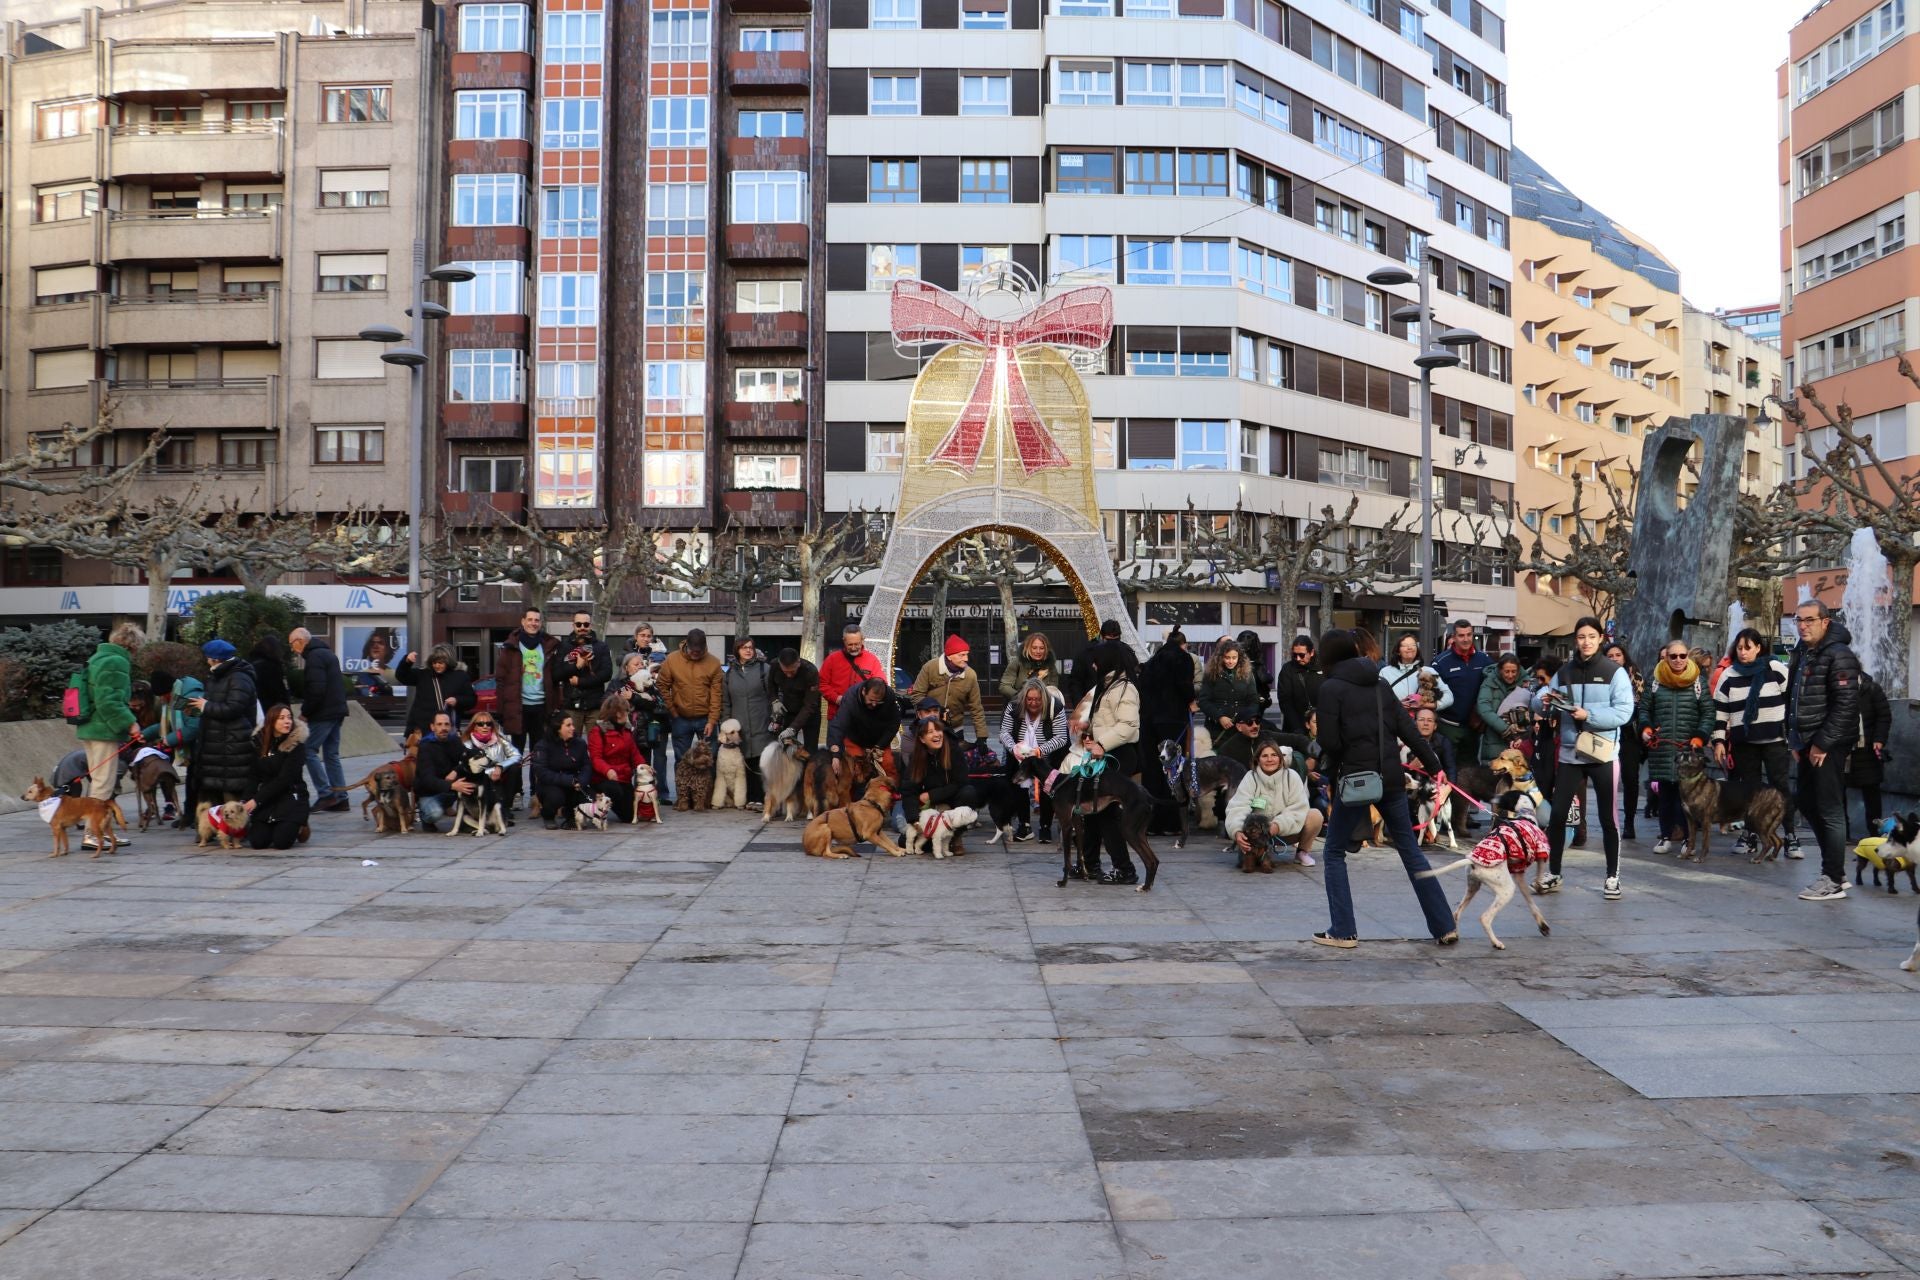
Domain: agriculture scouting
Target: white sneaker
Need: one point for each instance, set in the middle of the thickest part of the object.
(1663, 845)
(1547, 884)
(88, 842)
(1610, 888)
(1823, 890)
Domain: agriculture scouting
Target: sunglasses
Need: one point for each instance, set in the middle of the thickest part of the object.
(1676, 657)
(480, 724)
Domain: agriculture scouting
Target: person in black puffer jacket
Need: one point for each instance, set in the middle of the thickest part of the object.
(934, 775)
(1359, 721)
(279, 802)
(442, 685)
(224, 759)
(1823, 721)
(868, 719)
(562, 774)
(1866, 766)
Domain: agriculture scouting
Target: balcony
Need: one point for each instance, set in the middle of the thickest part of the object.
(135, 320)
(771, 6)
(785, 72)
(585, 407)
(765, 508)
(232, 147)
(198, 404)
(172, 235)
(480, 510)
(767, 331)
(767, 242)
(767, 153)
(138, 67)
(767, 419)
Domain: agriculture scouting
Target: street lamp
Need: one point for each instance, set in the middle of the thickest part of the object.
(1438, 350)
(413, 358)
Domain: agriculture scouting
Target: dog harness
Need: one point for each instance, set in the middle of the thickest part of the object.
(1519, 843)
(932, 822)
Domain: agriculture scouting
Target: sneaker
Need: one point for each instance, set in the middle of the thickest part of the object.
(1306, 860)
(1748, 843)
(1823, 890)
(1328, 940)
(1022, 834)
(1610, 888)
(168, 814)
(1793, 848)
(88, 842)
(753, 806)
(1547, 884)
(1663, 845)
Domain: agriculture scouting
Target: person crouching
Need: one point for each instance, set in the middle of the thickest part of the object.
(278, 809)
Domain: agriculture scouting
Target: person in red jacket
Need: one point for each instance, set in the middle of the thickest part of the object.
(615, 755)
(846, 667)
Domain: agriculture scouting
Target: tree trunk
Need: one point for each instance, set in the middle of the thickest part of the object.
(810, 584)
(1901, 624)
(1286, 603)
(604, 592)
(937, 626)
(1009, 620)
(160, 567)
(743, 610)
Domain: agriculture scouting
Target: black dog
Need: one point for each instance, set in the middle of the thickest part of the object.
(1196, 784)
(1005, 802)
(1897, 854)
(1075, 800)
(1258, 855)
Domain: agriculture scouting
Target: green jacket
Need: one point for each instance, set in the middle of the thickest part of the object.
(1023, 669)
(1493, 692)
(1674, 715)
(109, 687)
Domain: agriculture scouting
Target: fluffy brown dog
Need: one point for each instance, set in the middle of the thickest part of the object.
(232, 824)
(99, 817)
(824, 787)
(834, 833)
(1763, 809)
(153, 777)
(693, 777)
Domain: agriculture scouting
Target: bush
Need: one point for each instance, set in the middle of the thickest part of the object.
(162, 662)
(13, 690)
(46, 656)
(241, 617)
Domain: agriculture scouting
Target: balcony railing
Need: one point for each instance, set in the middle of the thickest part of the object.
(187, 384)
(202, 214)
(178, 128)
(565, 406)
(188, 299)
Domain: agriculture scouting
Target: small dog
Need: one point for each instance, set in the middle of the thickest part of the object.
(1258, 855)
(1007, 802)
(153, 776)
(1501, 863)
(938, 831)
(1087, 797)
(58, 811)
(1195, 782)
(693, 777)
(481, 810)
(834, 833)
(390, 804)
(782, 767)
(226, 822)
(1892, 851)
(826, 786)
(594, 813)
(1762, 809)
(1428, 802)
(730, 769)
(1427, 694)
(646, 795)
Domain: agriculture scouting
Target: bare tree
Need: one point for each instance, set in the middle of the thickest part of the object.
(1598, 544)
(824, 555)
(23, 472)
(600, 563)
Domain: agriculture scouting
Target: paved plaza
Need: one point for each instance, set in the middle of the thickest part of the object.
(689, 1051)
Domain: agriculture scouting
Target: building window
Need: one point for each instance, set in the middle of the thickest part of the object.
(978, 15)
(353, 272)
(677, 209)
(570, 124)
(490, 113)
(69, 119)
(773, 124)
(1203, 84)
(240, 280)
(1265, 272)
(1149, 84)
(493, 28)
(72, 367)
(1203, 173)
(773, 40)
(569, 212)
(64, 284)
(676, 388)
(1584, 354)
(1855, 45)
(1376, 311)
(1149, 173)
(574, 37)
(343, 358)
(985, 182)
(677, 122)
(766, 386)
(886, 449)
(1083, 257)
(1864, 140)
(493, 291)
(1496, 229)
(1622, 424)
(1206, 264)
(766, 471)
(680, 35)
(357, 103)
(769, 195)
(1357, 145)
(242, 453)
(1326, 294)
(676, 297)
(1203, 446)
(1149, 261)
(762, 297)
(1204, 364)
(986, 95)
(487, 199)
(1250, 449)
(1083, 173)
(673, 480)
(1279, 365)
(486, 375)
(893, 15)
(566, 388)
(891, 94)
(67, 200)
(569, 298)
(887, 263)
(366, 443)
(979, 260)
(1584, 411)
(493, 475)
(893, 182)
(1083, 84)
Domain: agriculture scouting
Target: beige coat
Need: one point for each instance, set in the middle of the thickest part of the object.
(1116, 721)
(954, 692)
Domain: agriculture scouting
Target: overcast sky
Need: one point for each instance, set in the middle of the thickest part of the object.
(1662, 115)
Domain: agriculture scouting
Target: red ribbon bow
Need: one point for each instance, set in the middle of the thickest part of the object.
(1081, 319)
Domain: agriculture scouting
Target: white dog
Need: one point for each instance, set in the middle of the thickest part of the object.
(937, 829)
(729, 768)
(646, 793)
(594, 813)
(782, 765)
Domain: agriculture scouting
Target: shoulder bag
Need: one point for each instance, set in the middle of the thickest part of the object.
(1367, 787)
(1594, 748)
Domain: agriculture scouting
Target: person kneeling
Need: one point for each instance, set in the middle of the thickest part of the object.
(615, 754)
(1271, 791)
(440, 776)
(278, 809)
(562, 775)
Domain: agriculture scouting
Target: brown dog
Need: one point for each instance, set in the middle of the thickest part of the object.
(834, 833)
(1763, 809)
(404, 767)
(99, 817)
(390, 802)
(153, 777)
(823, 787)
(693, 777)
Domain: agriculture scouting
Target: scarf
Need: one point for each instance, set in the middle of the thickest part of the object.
(1687, 677)
(1755, 673)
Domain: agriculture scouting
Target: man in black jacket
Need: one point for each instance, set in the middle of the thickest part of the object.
(585, 669)
(1823, 708)
(438, 779)
(1250, 650)
(1297, 688)
(795, 685)
(324, 708)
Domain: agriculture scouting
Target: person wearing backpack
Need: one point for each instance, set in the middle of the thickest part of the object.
(99, 695)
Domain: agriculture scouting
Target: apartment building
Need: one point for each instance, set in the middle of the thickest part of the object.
(1850, 178)
(1730, 369)
(1762, 321)
(207, 203)
(1234, 171)
(1599, 363)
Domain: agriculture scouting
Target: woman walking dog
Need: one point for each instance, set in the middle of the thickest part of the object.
(1588, 700)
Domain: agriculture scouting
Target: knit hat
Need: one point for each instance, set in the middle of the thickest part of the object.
(956, 645)
(218, 650)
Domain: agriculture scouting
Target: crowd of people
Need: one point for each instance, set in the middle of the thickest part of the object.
(569, 722)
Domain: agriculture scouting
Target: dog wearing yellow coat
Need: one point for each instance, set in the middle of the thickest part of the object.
(1892, 851)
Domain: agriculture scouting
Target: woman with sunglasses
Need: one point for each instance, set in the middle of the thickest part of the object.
(1674, 710)
(484, 736)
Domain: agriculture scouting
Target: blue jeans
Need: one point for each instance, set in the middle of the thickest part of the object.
(323, 759)
(684, 730)
(1393, 810)
(434, 808)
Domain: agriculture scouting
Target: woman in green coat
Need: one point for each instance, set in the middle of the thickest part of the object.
(1500, 683)
(1676, 708)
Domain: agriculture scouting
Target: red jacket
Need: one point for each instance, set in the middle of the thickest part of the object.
(614, 752)
(840, 673)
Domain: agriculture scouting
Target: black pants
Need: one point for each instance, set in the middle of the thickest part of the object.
(557, 802)
(1570, 783)
(620, 794)
(1822, 793)
(1870, 805)
(534, 720)
(1673, 812)
(1125, 758)
(1753, 761)
(279, 826)
(1631, 758)
(1023, 774)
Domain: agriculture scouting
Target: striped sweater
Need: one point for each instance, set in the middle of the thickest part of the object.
(1730, 703)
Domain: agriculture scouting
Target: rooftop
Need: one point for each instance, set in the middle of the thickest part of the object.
(1539, 197)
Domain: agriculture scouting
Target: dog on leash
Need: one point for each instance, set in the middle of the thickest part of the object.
(1893, 850)
(1709, 803)
(782, 767)
(1258, 855)
(1086, 798)
(226, 823)
(730, 769)
(593, 813)
(646, 795)
(403, 767)
(832, 782)
(693, 777)
(1500, 863)
(938, 831)
(1428, 802)
(1195, 782)
(153, 776)
(835, 833)
(391, 803)
(483, 809)
(60, 812)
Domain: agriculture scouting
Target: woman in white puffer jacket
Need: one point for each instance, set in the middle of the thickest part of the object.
(1282, 797)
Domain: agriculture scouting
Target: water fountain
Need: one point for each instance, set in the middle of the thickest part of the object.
(1736, 621)
(1864, 604)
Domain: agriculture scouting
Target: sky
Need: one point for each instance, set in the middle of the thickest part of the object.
(1662, 115)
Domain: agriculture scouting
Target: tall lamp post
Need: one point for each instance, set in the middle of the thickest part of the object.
(1438, 350)
(413, 357)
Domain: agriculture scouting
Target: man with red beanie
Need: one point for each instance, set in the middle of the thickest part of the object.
(955, 685)
(846, 667)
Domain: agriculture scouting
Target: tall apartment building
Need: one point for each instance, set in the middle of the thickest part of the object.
(1600, 365)
(1234, 171)
(1850, 177)
(206, 204)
